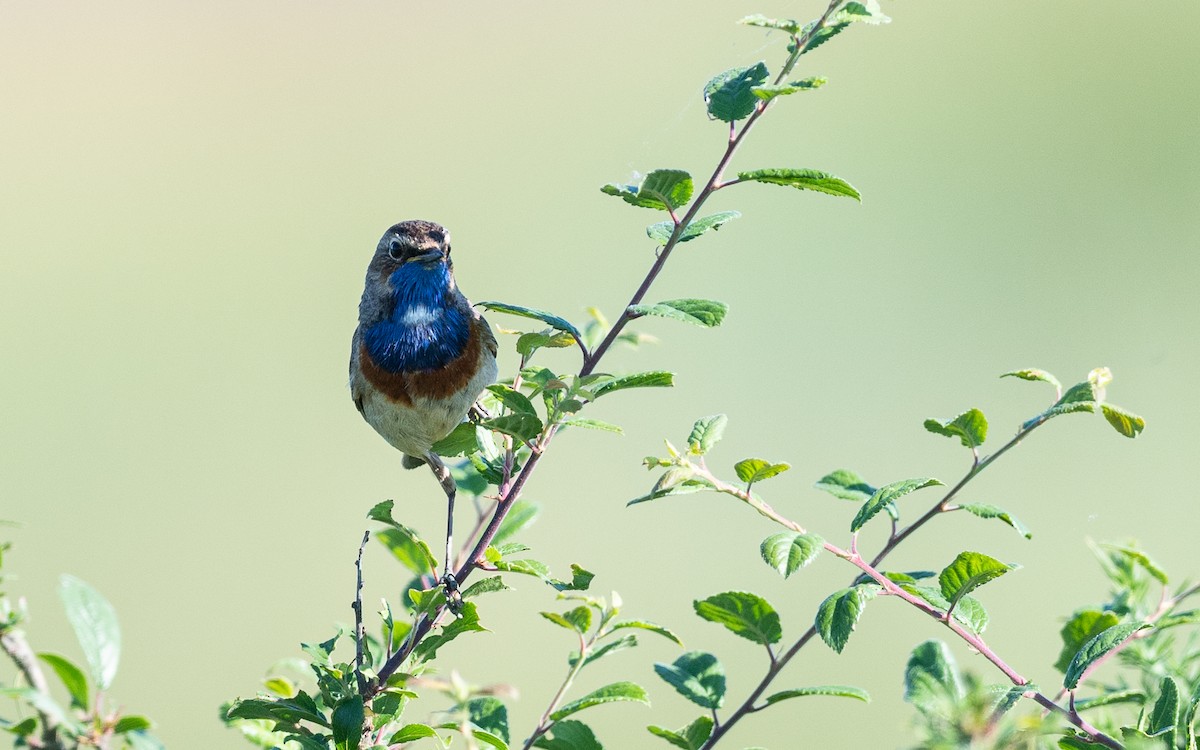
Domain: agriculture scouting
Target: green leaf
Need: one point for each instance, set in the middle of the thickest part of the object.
(95, 624)
(1187, 718)
(968, 610)
(617, 691)
(348, 718)
(1081, 628)
(569, 735)
(410, 550)
(866, 11)
(131, 723)
(1109, 699)
(753, 470)
(578, 619)
(744, 614)
(522, 514)
(1097, 647)
(686, 488)
(516, 401)
(1036, 375)
(697, 676)
(609, 647)
(1127, 423)
(770, 91)
(592, 424)
(983, 510)
(72, 678)
(1140, 558)
(466, 622)
(838, 614)
(691, 737)
(969, 571)
(142, 740)
(843, 691)
(289, 710)
(530, 312)
(789, 551)
(847, 485)
(970, 427)
(461, 441)
(650, 626)
(822, 35)
(931, 680)
(887, 495)
(730, 94)
(662, 231)
(580, 580)
(528, 343)
(707, 313)
(662, 189)
(1080, 397)
(803, 179)
(482, 735)
(524, 427)
(706, 432)
(789, 25)
(485, 586)
(652, 379)
(412, 733)
(1164, 717)
(490, 715)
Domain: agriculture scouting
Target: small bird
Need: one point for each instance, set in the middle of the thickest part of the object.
(421, 354)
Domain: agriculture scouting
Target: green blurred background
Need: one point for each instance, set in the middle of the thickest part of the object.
(191, 193)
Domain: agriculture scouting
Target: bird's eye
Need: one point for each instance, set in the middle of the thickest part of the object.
(395, 250)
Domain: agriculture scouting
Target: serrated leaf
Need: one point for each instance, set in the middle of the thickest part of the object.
(970, 427)
(803, 179)
(1080, 397)
(691, 737)
(489, 714)
(72, 678)
(968, 610)
(789, 551)
(730, 94)
(592, 424)
(528, 343)
(706, 432)
(578, 619)
(131, 724)
(969, 571)
(609, 647)
(861, 12)
(931, 680)
(984, 510)
(95, 624)
(753, 470)
(822, 35)
(1097, 647)
(1110, 699)
(1139, 558)
(846, 484)
(887, 495)
(300, 708)
(348, 717)
(707, 313)
(1127, 423)
(662, 231)
(516, 401)
(843, 691)
(770, 91)
(687, 488)
(1187, 718)
(459, 442)
(744, 614)
(1034, 374)
(839, 613)
(697, 676)
(467, 621)
(650, 626)
(412, 733)
(661, 189)
(617, 691)
(1081, 628)
(569, 735)
(524, 427)
(652, 379)
(1164, 716)
(549, 319)
(485, 586)
(410, 550)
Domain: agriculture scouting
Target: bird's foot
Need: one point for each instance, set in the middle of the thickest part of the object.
(454, 598)
(477, 413)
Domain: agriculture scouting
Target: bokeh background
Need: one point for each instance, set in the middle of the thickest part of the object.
(191, 192)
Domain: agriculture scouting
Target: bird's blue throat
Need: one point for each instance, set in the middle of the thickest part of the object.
(426, 329)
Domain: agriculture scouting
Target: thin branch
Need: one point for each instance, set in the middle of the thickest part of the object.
(545, 723)
(359, 632)
(13, 643)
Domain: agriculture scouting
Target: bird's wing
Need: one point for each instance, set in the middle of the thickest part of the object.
(485, 331)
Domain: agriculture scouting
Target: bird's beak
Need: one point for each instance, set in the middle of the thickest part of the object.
(429, 257)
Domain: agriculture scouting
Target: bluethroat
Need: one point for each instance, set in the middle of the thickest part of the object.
(421, 354)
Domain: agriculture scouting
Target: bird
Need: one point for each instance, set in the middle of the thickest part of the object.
(421, 354)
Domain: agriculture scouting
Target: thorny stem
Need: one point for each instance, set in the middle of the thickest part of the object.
(511, 492)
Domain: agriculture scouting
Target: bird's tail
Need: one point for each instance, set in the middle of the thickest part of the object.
(411, 462)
